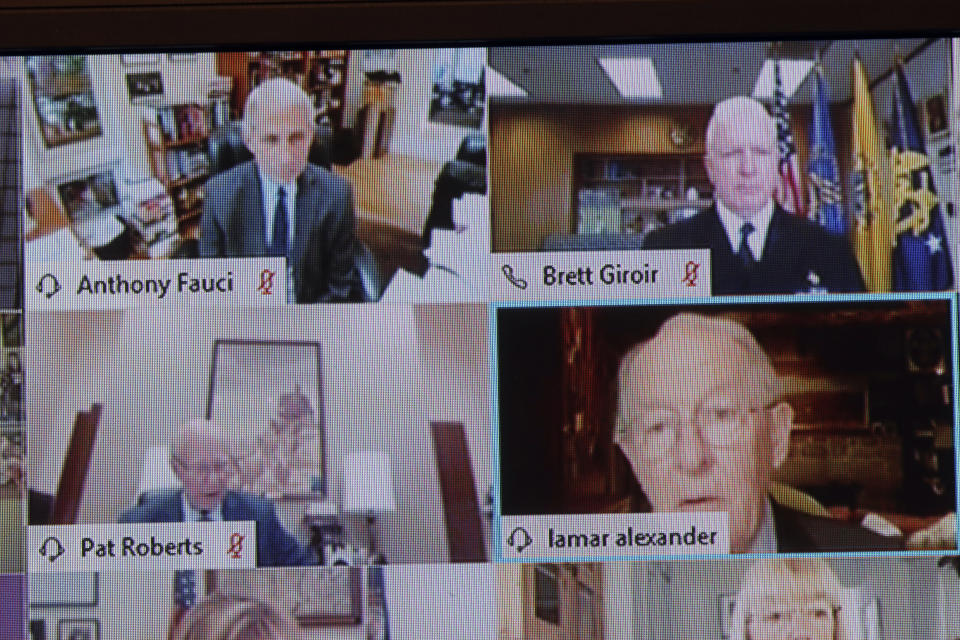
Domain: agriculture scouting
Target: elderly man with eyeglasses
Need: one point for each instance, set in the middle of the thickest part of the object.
(201, 459)
(703, 429)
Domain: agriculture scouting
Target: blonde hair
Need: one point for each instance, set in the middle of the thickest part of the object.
(804, 580)
(226, 617)
(700, 328)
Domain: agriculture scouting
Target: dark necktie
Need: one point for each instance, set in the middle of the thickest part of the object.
(278, 245)
(185, 580)
(744, 253)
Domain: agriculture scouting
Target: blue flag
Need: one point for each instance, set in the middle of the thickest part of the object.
(921, 256)
(823, 169)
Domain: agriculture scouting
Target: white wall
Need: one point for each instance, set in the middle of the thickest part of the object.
(442, 602)
(387, 371)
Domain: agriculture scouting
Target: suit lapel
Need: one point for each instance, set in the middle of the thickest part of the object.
(177, 508)
(251, 215)
(717, 235)
(778, 245)
(792, 534)
(228, 507)
(309, 208)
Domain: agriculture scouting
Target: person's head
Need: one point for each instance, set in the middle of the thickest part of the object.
(741, 155)
(278, 128)
(202, 458)
(792, 599)
(699, 422)
(221, 617)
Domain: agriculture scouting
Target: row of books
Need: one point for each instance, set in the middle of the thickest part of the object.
(185, 163)
(179, 122)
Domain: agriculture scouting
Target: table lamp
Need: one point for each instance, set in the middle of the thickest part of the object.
(368, 489)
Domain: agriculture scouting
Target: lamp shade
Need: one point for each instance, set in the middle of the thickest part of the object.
(368, 483)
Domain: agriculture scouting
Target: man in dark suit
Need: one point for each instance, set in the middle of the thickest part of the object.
(279, 205)
(201, 461)
(755, 246)
(701, 425)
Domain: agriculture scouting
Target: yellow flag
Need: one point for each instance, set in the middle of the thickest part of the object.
(873, 201)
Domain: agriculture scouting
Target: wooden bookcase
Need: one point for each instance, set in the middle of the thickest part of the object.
(322, 74)
(164, 147)
(636, 189)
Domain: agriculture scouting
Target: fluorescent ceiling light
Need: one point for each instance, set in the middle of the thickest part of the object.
(499, 85)
(633, 77)
(792, 75)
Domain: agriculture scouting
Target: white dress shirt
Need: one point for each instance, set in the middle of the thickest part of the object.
(732, 223)
(766, 540)
(268, 191)
(193, 515)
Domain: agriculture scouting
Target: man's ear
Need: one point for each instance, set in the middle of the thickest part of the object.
(781, 424)
(177, 470)
(629, 450)
(708, 164)
(246, 135)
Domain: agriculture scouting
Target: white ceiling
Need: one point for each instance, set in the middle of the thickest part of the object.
(704, 73)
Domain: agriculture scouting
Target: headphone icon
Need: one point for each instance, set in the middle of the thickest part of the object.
(519, 539)
(58, 549)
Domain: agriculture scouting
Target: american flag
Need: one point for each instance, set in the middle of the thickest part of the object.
(184, 597)
(788, 191)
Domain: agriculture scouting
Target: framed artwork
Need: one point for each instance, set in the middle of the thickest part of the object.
(63, 98)
(140, 85)
(315, 596)
(64, 589)
(459, 90)
(726, 604)
(38, 629)
(88, 197)
(78, 629)
(270, 394)
(936, 109)
(872, 619)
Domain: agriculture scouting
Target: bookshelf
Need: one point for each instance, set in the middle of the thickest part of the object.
(628, 193)
(321, 73)
(176, 138)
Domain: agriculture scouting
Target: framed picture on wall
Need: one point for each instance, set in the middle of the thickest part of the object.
(936, 109)
(140, 85)
(38, 629)
(63, 98)
(272, 391)
(79, 589)
(726, 604)
(78, 629)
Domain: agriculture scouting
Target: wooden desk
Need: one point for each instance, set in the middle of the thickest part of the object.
(49, 216)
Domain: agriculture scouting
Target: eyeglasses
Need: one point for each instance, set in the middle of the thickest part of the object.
(814, 616)
(217, 468)
(718, 420)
